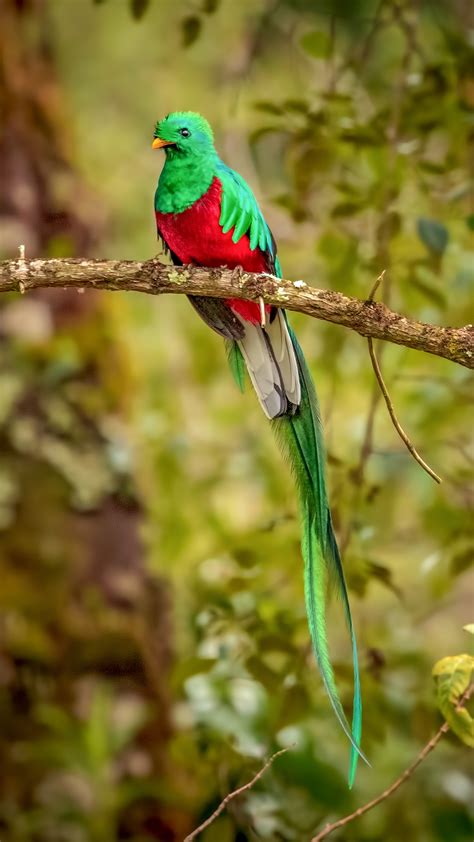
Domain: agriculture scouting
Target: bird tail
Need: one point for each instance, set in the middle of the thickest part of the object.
(271, 362)
(283, 383)
(301, 437)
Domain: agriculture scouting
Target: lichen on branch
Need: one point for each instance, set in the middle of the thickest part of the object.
(368, 318)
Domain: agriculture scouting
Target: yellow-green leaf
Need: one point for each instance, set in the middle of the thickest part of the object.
(139, 8)
(453, 676)
(190, 29)
(317, 44)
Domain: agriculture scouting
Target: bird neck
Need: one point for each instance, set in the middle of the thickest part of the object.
(183, 181)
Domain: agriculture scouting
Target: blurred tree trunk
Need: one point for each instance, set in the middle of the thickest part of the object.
(77, 603)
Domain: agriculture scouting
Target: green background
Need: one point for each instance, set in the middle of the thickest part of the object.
(355, 138)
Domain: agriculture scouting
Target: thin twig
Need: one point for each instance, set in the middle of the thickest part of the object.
(376, 285)
(391, 411)
(403, 777)
(408, 29)
(388, 400)
(231, 795)
(383, 255)
(358, 56)
(358, 472)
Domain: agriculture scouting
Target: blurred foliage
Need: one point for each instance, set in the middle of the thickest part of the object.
(453, 678)
(352, 121)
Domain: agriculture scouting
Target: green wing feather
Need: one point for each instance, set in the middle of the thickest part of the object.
(302, 439)
(240, 211)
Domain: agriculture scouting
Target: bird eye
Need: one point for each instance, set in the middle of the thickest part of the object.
(184, 132)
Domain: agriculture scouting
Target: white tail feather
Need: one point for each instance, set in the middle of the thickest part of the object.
(271, 362)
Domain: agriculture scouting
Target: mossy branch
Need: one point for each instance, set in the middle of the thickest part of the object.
(368, 318)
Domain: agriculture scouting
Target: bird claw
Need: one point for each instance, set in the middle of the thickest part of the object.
(263, 315)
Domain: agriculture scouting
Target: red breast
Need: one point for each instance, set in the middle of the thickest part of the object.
(195, 236)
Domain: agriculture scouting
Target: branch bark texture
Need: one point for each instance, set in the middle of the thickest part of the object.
(368, 318)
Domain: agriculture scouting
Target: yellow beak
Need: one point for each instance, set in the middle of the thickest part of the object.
(158, 143)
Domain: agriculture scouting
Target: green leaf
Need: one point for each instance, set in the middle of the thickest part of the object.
(469, 628)
(210, 6)
(298, 106)
(462, 561)
(433, 234)
(190, 29)
(317, 44)
(433, 167)
(453, 676)
(139, 8)
(268, 107)
(361, 136)
(470, 221)
(346, 209)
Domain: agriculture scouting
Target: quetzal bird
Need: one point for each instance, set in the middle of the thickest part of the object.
(207, 215)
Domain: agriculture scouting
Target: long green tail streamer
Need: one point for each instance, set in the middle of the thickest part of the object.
(301, 436)
(302, 439)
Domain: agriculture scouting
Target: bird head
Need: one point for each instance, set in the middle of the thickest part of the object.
(184, 134)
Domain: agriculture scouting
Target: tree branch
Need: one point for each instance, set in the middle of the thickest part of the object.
(368, 318)
(391, 411)
(428, 748)
(401, 780)
(231, 795)
(388, 401)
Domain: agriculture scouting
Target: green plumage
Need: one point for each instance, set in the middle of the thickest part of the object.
(301, 437)
(236, 363)
(240, 210)
(279, 374)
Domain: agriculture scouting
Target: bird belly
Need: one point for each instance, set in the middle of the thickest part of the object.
(195, 236)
